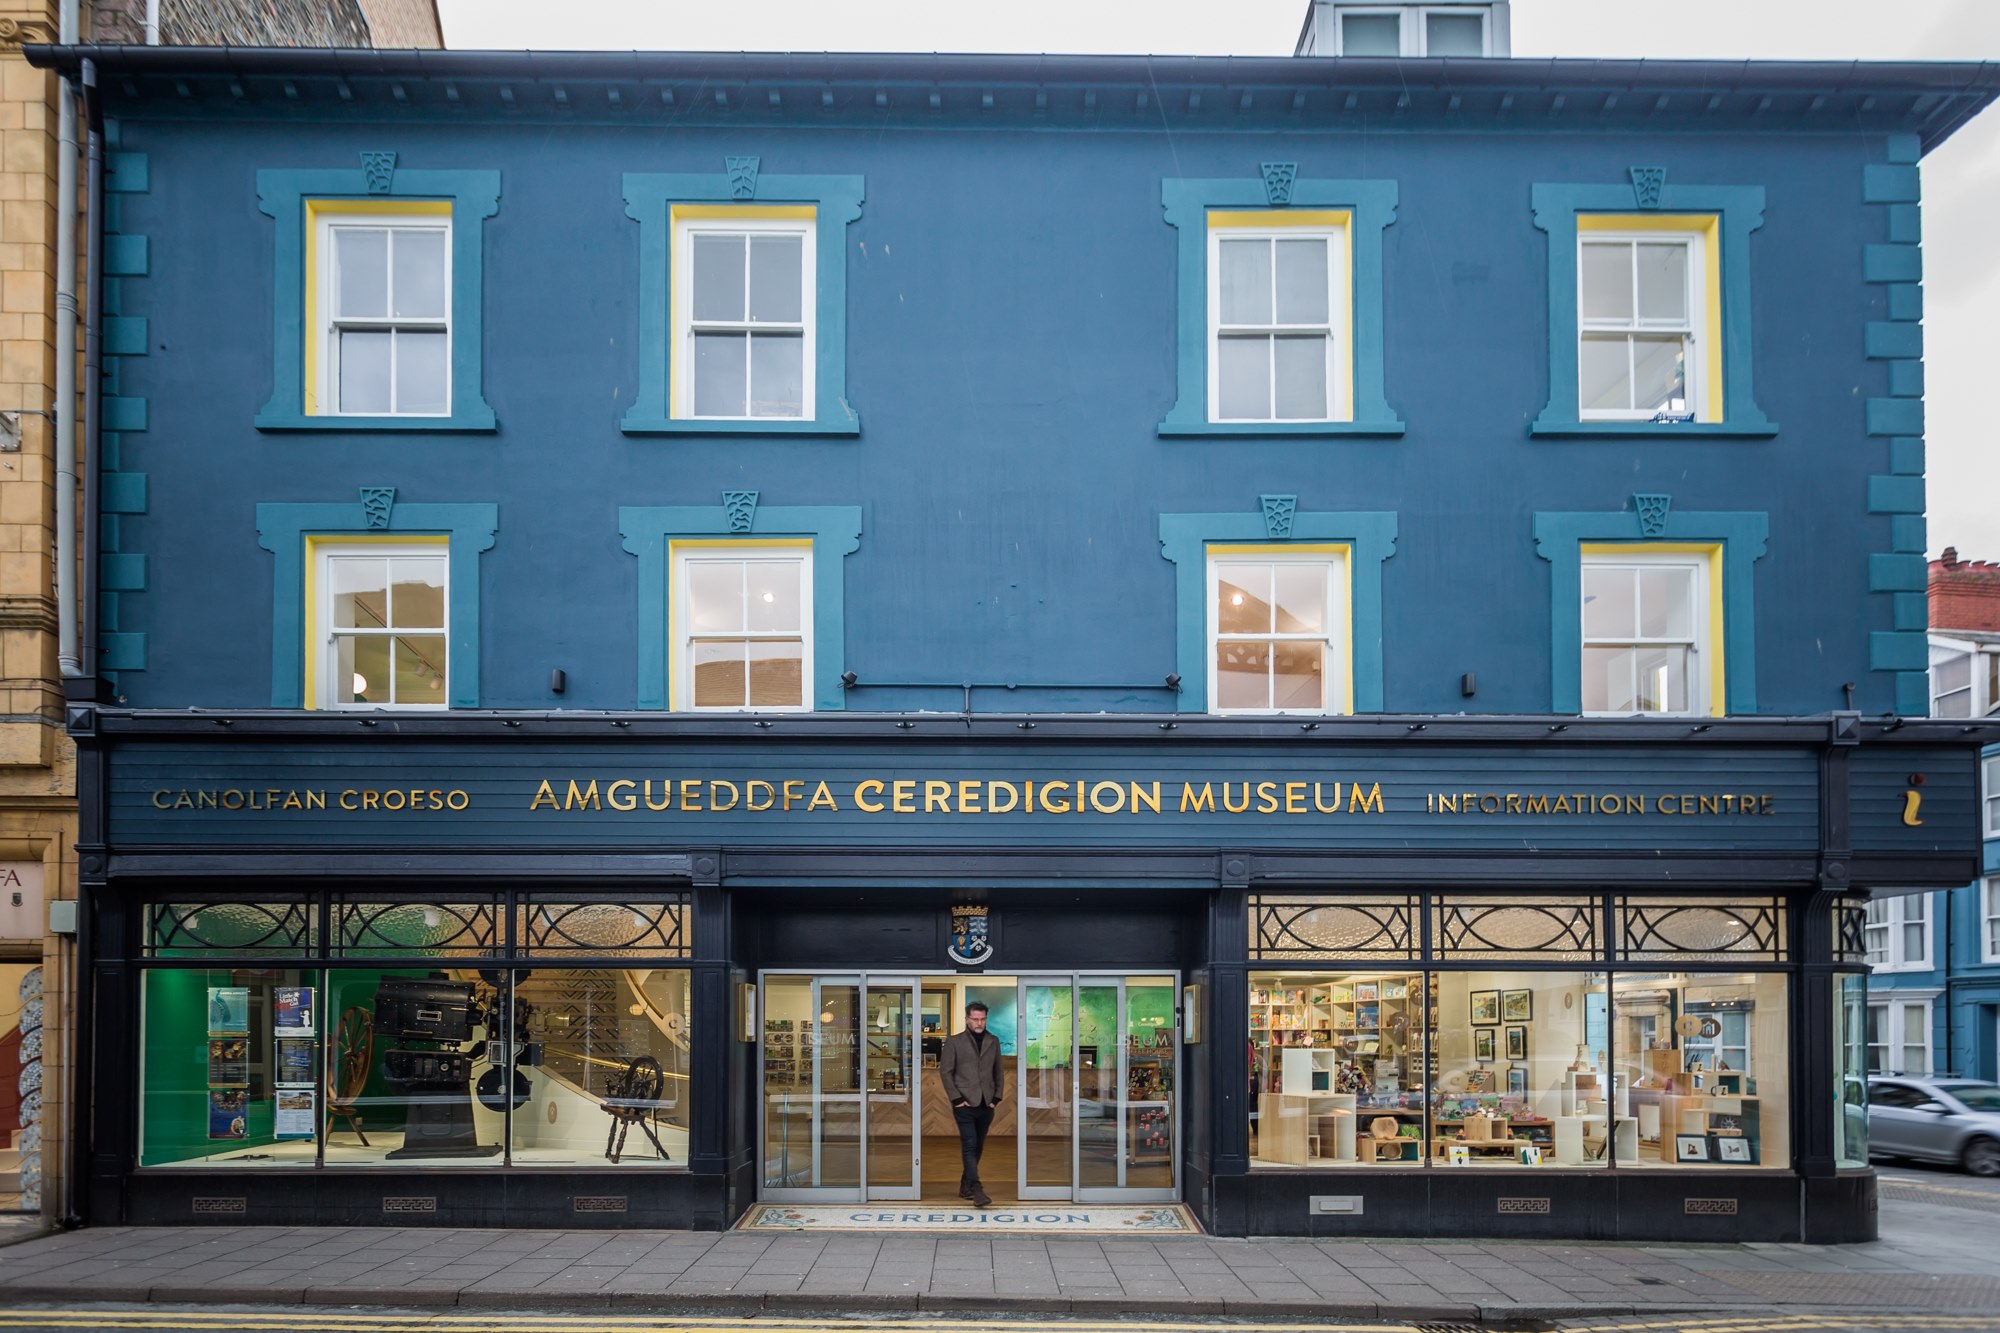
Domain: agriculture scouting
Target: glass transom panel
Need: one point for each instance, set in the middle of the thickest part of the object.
(1702, 929)
(1361, 927)
(432, 929)
(1553, 929)
(229, 927)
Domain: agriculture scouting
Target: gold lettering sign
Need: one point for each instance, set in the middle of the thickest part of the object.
(1052, 796)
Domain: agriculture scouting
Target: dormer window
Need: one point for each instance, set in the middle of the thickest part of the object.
(1458, 28)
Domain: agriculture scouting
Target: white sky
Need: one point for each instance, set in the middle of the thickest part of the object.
(1961, 180)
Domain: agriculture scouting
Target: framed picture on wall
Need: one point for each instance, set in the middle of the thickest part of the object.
(1517, 1080)
(1690, 1147)
(1517, 1006)
(1485, 1007)
(1517, 1043)
(1482, 1043)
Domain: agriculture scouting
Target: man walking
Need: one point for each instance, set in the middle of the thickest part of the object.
(969, 1066)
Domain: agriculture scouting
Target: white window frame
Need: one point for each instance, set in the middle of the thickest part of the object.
(1336, 685)
(1413, 32)
(1892, 1025)
(1338, 328)
(1699, 569)
(685, 230)
(685, 639)
(1989, 796)
(1694, 333)
(1982, 686)
(329, 220)
(1989, 919)
(1888, 920)
(324, 553)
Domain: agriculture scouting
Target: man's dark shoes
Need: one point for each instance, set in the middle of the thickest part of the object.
(964, 1188)
(979, 1198)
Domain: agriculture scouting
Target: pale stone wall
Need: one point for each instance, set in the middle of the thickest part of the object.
(37, 760)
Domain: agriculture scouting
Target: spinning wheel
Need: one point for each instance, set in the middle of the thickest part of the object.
(353, 1057)
(633, 1097)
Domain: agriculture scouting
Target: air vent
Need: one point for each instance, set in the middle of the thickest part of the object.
(410, 1203)
(220, 1207)
(597, 1203)
(1709, 1207)
(1523, 1206)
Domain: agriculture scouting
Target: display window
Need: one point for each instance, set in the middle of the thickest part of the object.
(1704, 1061)
(1341, 1066)
(515, 1030)
(1588, 1031)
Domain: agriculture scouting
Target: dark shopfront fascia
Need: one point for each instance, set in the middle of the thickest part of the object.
(783, 881)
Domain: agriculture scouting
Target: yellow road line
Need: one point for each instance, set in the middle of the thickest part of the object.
(1793, 1323)
(301, 1319)
(1940, 1189)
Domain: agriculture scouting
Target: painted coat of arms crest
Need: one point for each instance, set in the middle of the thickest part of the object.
(971, 945)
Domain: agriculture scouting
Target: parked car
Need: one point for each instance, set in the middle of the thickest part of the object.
(1936, 1120)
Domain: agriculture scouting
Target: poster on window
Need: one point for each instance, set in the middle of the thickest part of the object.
(297, 1062)
(292, 1009)
(226, 1118)
(296, 1113)
(228, 1062)
(228, 1011)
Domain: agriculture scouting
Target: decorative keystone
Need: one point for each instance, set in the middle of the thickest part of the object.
(1278, 178)
(380, 168)
(1648, 184)
(743, 176)
(741, 506)
(1652, 513)
(1278, 511)
(376, 504)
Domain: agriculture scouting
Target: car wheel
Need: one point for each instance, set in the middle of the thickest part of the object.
(1982, 1157)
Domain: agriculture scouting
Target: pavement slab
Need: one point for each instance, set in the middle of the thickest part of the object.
(1928, 1259)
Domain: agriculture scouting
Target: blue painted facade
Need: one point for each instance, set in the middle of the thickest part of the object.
(1962, 983)
(1011, 487)
(1010, 322)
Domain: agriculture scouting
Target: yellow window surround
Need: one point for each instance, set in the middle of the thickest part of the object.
(1709, 227)
(1711, 555)
(315, 653)
(1319, 219)
(1341, 553)
(680, 213)
(677, 672)
(317, 210)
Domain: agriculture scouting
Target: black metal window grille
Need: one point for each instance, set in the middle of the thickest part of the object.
(1546, 929)
(229, 926)
(426, 927)
(1542, 929)
(1850, 930)
(604, 929)
(1376, 928)
(1703, 929)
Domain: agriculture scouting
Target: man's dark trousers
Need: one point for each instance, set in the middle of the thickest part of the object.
(973, 1122)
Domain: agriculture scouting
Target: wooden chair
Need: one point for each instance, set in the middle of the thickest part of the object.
(353, 1060)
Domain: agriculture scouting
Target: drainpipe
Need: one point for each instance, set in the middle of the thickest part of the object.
(93, 385)
(64, 410)
(152, 22)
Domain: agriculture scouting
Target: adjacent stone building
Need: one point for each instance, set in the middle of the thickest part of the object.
(37, 761)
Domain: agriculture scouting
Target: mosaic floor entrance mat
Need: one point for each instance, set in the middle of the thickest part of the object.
(1048, 1218)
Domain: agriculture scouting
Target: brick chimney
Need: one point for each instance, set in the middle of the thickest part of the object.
(1964, 594)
